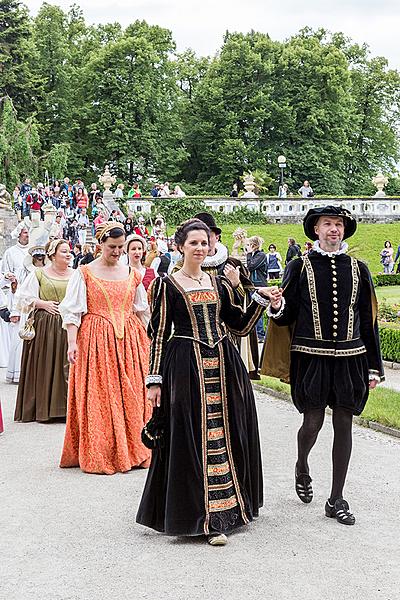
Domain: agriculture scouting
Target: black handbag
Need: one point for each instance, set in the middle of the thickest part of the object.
(153, 431)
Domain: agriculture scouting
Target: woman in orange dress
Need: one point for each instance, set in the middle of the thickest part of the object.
(108, 349)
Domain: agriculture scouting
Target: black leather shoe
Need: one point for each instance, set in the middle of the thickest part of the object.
(303, 487)
(340, 511)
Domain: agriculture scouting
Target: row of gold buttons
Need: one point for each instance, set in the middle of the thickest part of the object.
(335, 304)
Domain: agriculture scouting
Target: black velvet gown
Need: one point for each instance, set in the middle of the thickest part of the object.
(208, 477)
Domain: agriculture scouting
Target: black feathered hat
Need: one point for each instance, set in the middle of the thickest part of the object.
(209, 221)
(350, 224)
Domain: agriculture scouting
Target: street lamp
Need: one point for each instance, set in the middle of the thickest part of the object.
(282, 165)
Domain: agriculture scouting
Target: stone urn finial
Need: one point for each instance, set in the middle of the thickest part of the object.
(107, 180)
(249, 184)
(379, 182)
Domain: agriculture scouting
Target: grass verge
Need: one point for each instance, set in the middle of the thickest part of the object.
(383, 404)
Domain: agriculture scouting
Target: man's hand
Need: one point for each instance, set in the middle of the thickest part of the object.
(233, 274)
(273, 293)
(372, 384)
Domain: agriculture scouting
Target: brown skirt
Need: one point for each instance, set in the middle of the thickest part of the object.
(43, 385)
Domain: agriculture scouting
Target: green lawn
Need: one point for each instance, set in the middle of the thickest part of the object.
(366, 244)
(389, 293)
(383, 404)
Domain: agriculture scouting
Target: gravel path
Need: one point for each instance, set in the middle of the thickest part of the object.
(67, 535)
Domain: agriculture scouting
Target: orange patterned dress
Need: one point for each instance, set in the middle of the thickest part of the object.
(107, 406)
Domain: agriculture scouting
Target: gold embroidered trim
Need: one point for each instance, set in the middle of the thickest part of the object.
(219, 505)
(157, 345)
(313, 297)
(215, 434)
(230, 294)
(328, 351)
(216, 452)
(214, 415)
(355, 283)
(220, 486)
(210, 363)
(203, 400)
(227, 437)
(222, 469)
(213, 398)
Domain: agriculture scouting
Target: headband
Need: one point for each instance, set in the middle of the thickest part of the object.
(134, 237)
(52, 248)
(103, 230)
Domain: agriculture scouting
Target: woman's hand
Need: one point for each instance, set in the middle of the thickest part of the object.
(154, 395)
(72, 352)
(51, 307)
(233, 274)
(273, 293)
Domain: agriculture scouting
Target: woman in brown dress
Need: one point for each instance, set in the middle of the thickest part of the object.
(42, 391)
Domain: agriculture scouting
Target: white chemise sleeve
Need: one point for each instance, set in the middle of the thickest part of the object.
(141, 306)
(74, 305)
(27, 293)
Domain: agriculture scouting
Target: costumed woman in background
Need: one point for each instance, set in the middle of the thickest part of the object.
(35, 258)
(135, 249)
(207, 479)
(42, 391)
(108, 349)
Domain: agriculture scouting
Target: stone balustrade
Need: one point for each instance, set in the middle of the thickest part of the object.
(290, 210)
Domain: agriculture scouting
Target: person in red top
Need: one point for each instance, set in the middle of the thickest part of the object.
(135, 248)
(141, 228)
(81, 199)
(34, 199)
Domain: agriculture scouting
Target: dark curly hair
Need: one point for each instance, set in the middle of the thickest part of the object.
(186, 227)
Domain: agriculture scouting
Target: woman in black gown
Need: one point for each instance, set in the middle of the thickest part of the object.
(207, 479)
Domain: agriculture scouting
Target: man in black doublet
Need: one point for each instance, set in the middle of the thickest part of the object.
(329, 303)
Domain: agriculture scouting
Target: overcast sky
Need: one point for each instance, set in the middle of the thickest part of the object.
(201, 24)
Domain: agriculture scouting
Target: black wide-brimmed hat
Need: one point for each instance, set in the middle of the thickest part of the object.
(350, 224)
(209, 221)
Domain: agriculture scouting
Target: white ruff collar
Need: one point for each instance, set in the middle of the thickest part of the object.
(342, 250)
(219, 257)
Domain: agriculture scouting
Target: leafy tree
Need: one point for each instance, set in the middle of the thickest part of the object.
(130, 115)
(19, 146)
(56, 161)
(52, 68)
(16, 80)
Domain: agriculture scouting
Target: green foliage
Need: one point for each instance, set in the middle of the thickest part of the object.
(387, 313)
(383, 407)
(56, 161)
(19, 145)
(177, 210)
(381, 279)
(16, 56)
(390, 342)
(124, 97)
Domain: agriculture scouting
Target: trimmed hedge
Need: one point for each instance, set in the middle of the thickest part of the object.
(381, 280)
(390, 342)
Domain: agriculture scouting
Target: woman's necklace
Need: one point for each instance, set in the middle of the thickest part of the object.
(198, 279)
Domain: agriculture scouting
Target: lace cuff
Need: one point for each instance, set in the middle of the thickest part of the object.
(374, 376)
(260, 299)
(153, 380)
(276, 315)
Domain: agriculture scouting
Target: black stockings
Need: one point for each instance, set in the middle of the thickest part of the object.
(307, 436)
(341, 451)
(342, 443)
